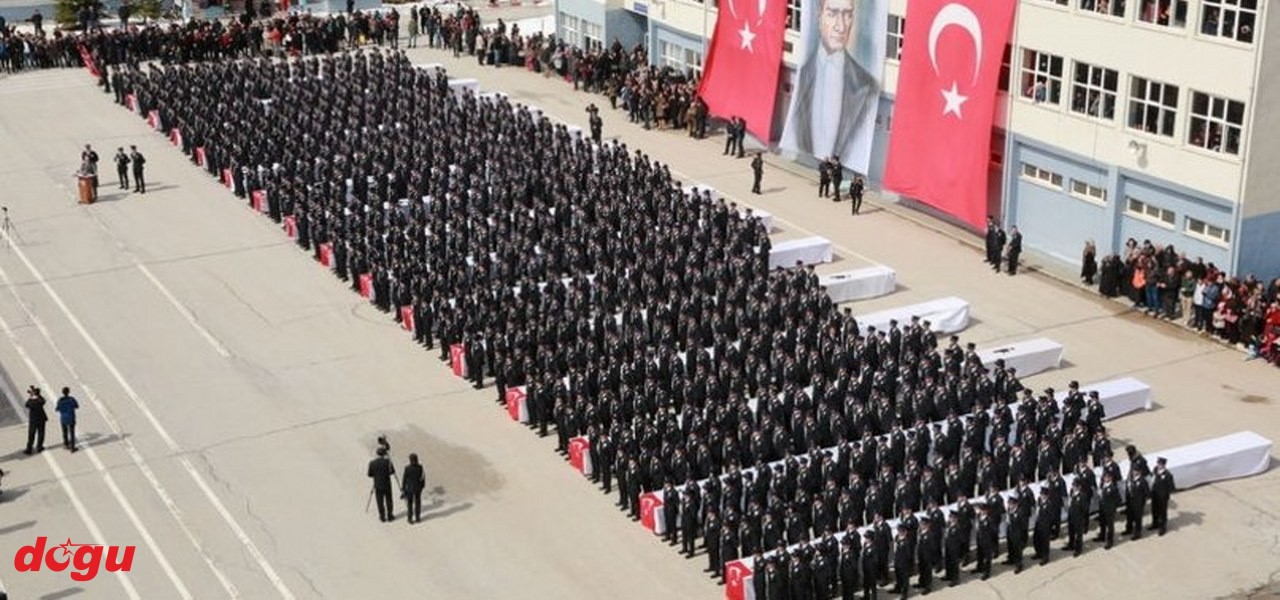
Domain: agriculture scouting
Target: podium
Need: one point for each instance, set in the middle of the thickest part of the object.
(88, 193)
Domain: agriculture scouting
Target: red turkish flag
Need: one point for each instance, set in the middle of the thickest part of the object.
(458, 359)
(941, 134)
(648, 502)
(406, 317)
(740, 75)
(578, 449)
(736, 574)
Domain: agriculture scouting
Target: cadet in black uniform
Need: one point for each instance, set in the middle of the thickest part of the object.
(757, 172)
(1162, 487)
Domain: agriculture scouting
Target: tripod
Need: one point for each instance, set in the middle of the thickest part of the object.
(10, 232)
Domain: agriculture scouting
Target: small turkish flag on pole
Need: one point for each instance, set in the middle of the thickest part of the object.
(939, 145)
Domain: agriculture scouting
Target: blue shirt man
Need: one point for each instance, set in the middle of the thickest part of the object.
(66, 408)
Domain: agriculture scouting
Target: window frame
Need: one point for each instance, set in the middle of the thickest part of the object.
(1086, 195)
(893, 37)
(1204, 235)
(1029, 76)
(1089, 87)
(1042, 176)
(1205, 122)
(1143, 214)
(795, 13)
(1104, 8)
(1147, 103)
(1230, 13)
(1149, 12)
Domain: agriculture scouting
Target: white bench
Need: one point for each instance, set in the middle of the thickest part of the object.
(458, 86)
(1028, 356)
(806, 251)
(945, 315)
(1118, 396)
(860, 284)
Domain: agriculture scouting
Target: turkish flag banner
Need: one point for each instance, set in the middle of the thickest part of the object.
(175, 136)
(366, 286)
(579, 449)
(939, 144)
(648, 502)
(740, 75)
(517, 404)
(737, 581)
(458, 359)
(406, 318)
(153, 119)
(259, 200)
(131, 101)
(290, 226)
(200, 159)
(326, 254)
(226, 177)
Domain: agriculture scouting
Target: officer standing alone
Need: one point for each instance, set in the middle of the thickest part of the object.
(757, 171)
(138, 160)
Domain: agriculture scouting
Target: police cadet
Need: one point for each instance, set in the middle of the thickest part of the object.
(901, 563)
(954, 550)
(871, 559)
(1016, 536)
(1162, 487)
(1136, 493)
(837, 177)
(988, 535)
(927, 550)
(1077, 519)
(1108, 504)
(824, 178)
(1043, 531)
(757, 172)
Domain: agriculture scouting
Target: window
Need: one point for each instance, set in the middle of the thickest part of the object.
(1006, 67)
(793, 15)
(1093, 91)
(1150, 212)
(1153, 106)
(1042, 176)
(1215, 123)
(679, 58)
(893, 43)
(569, 28)
(592, 37)
(1041, 76)
(1088, 192)
(693, 61)
(1229, 19)
(1165, 13)
(1210, 233)
(1114, 8)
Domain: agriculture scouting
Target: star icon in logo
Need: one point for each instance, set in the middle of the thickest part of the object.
(954, 100)
(747, 36)
(66, 548)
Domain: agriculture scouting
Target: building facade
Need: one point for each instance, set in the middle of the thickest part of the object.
(1117, 119)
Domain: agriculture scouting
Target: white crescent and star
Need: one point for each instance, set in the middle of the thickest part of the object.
(745, 34)
(956, 15)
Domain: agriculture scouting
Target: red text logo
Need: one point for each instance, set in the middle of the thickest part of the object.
(84, 560)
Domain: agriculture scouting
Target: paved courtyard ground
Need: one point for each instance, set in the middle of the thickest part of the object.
(232, 390)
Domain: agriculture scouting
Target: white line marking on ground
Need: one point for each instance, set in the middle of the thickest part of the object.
(58, 473)
(173, 446)
(114, 427)
(186, 313)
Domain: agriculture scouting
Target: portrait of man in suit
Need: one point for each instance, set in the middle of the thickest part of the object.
(833, 92)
